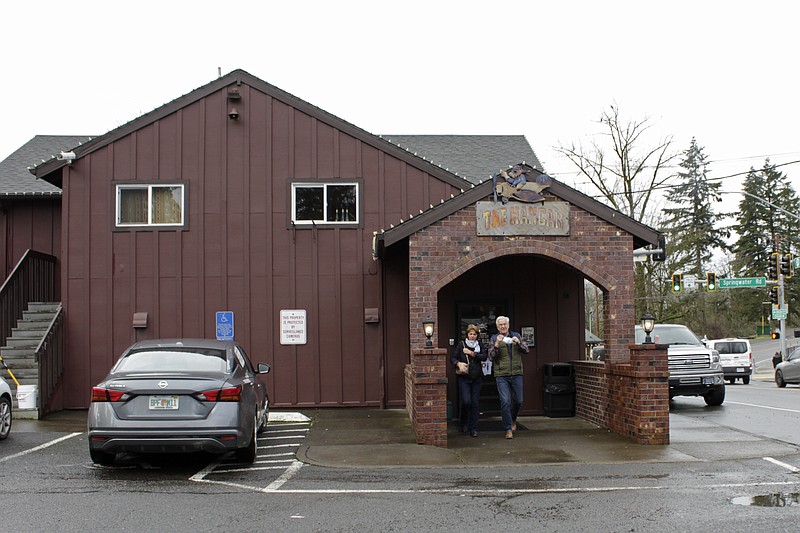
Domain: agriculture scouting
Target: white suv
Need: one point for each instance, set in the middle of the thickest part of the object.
(736, 357)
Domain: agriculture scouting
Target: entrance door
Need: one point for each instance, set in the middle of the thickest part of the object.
(482, 315)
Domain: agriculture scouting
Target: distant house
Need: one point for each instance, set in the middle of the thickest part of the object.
(329, 244)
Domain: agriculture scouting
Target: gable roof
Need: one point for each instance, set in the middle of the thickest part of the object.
(460, 150)
(16, 181)
(474, 157)
(643, 235)
(47, 170)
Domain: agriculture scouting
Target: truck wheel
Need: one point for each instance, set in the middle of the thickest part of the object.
(745, 380)
(715, 397)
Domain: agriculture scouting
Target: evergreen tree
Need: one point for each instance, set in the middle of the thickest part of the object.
(693, 225)
(694, 231)
(763, 229)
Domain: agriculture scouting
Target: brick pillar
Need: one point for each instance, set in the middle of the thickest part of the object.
(639, 389)
(426, 395)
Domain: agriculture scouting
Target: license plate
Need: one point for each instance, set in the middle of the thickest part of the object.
(163, 402)
(740, 369)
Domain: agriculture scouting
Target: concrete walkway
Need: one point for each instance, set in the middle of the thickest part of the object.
(374, 438)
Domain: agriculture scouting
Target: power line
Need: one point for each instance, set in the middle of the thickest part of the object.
(658, 187)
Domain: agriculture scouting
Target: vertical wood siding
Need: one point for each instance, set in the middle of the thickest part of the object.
(237, 253)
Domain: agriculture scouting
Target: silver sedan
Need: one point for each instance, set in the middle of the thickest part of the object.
(788, 371)
(179, 395)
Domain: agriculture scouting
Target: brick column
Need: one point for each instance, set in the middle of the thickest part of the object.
(426, 395)
(640, 392)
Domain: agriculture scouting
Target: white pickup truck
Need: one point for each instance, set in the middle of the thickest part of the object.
(694, 369)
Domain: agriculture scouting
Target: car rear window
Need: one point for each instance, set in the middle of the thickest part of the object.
(172, 360)
(730, 347)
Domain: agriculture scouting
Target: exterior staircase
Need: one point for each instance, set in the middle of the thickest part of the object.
(19, 353)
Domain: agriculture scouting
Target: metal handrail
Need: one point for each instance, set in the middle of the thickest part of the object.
(32, 280)
(49, 356)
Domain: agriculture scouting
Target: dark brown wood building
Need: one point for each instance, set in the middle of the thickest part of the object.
(241, 197)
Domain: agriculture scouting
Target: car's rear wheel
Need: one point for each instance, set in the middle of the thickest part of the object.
(248, 453)
(715, 397)
(745, 380)
(102, 458)
(779, 379)
(5, 417)
(262, 425)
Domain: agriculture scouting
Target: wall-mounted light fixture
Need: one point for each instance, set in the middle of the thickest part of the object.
(233, 113)
(427, 327)
(648, 324)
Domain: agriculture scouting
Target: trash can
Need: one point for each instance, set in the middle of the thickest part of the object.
(559, 390)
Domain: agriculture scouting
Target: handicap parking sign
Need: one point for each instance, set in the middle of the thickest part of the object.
(224, 325)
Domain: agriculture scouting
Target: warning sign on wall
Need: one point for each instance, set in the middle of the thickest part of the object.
(293, 326)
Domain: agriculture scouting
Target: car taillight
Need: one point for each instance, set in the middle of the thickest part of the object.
(229, 394)
(100, 394)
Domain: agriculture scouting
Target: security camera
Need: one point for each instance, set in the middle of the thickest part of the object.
(66, 156)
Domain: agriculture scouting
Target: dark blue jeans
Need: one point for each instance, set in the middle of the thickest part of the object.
(510, 390)
(470, 393)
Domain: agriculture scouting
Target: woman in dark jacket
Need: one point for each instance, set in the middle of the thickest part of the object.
(467, 357)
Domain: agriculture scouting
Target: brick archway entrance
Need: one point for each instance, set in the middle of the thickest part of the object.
(449, 248)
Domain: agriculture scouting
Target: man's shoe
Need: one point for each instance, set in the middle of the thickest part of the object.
(509, 435)
(513, 426)
(473, 433)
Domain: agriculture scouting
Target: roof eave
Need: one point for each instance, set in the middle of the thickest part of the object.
(643, 235)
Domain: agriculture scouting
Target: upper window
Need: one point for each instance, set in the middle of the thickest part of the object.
(324, 203)
(150, 205)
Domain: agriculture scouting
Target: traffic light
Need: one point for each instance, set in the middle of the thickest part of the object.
(772, 266)
(775, 335)
(676, 282)
(773, 295)
(711, 281)
(662, 245)
(786, 265)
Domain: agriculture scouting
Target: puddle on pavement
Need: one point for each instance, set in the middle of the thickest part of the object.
(777, 499)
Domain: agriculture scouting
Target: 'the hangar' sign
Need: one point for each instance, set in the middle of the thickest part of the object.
(546, 218)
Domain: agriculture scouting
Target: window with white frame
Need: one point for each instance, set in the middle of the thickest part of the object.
(325, 203)
(150, 205)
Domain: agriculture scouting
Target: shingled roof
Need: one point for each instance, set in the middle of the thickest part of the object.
(16, 180)
(473, 157)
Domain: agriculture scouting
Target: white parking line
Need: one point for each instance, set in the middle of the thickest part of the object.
(788, 467)
(502, 492)
(40, 447)
(286, 476)
(291, 445)
(280, 437)
(305, 429)
(248, 469)
(765, 407)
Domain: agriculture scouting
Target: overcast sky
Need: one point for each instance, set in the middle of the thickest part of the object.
(723, 72)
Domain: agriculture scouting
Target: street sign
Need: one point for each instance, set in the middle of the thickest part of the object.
(689, 281)
(735, 283)
(779, 314)
(224, 325)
